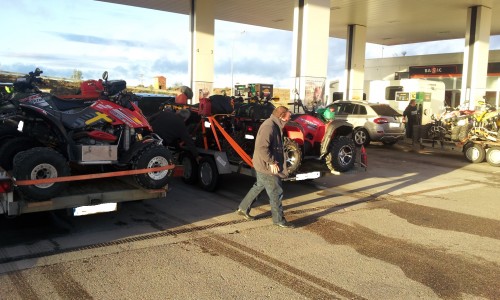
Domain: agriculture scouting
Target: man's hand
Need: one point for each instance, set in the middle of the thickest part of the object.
(274, 168)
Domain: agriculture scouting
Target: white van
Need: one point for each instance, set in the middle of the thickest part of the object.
(430, 95)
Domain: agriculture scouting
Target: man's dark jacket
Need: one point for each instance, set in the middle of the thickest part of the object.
(269, 147)
(171, 128)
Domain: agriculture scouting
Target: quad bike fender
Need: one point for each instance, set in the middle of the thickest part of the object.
(50, 119)
(294, 131)
(134, 149)
(333, 129)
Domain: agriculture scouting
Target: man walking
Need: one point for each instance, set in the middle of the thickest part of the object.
(270, 165)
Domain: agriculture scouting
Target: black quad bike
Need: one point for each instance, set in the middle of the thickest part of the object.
(41, 135)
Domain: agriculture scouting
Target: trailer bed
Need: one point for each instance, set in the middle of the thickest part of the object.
(83, 197)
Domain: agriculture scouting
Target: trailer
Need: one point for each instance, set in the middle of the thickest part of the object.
(86, 193)
(474, 150)
(215, 159)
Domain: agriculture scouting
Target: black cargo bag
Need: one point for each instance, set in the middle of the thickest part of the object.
(263, 111)
(221, 104)
(115, 86)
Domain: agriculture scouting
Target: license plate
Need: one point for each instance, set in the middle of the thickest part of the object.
(94, 209)
(394, 125)
(310, 175)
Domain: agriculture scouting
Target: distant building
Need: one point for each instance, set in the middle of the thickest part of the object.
(160, 82)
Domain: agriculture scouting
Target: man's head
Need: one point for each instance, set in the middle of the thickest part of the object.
(282, 113)
(184, 113)
(413, 102)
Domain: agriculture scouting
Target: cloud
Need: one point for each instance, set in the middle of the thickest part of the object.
(165, 66)
(90, 39)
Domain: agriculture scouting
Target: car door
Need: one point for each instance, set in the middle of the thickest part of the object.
(354, 115)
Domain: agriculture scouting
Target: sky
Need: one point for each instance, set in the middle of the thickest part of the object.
(137, 44)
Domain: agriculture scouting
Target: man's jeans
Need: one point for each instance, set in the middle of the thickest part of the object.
(272, 185)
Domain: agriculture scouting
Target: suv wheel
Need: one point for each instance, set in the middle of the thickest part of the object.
(361, 137)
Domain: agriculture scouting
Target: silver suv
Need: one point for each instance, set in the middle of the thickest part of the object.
(371, 121)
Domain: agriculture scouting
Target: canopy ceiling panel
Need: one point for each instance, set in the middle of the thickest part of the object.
(388, 22)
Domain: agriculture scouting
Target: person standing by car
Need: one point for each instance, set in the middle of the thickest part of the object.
(270, 166)
(411, 117)
(172, 129)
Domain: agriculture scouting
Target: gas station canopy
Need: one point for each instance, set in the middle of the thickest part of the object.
(388, 22)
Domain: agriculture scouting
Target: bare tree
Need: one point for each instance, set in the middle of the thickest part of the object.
(77, 75)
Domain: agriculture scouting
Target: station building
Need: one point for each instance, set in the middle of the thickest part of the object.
(446, 68)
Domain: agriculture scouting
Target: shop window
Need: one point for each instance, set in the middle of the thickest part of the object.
(390, 92)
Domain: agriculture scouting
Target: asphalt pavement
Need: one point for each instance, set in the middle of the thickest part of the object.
(419, 223)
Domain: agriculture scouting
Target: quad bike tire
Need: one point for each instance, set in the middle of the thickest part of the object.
(40, 163)
(463, 134)
(208, 174)
(435, 132)
(342, 154)
(454, 133)
(190, 165)
(245, 145)
(493, 156)
(361, 137)
(474, 153)
(293, 155)
(10, 147)
(153, 156)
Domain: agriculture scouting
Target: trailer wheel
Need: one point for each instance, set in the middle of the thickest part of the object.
(342, 154)
(209, 176)
(10, 147)
(40, 163)
(293, 155)
(474, 153)
(152, 157)
(190, 165)
(493, 156)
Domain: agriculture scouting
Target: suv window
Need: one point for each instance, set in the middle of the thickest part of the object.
(384, 110)
(362, 110)
(347, 108)
(337, 107)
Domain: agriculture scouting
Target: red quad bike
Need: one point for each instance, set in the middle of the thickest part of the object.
(331, 141)
(54, 132)
(306, 136)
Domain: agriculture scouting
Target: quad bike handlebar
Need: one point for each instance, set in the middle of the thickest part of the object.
(29, 82)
